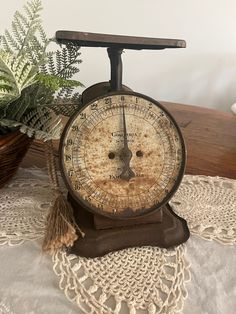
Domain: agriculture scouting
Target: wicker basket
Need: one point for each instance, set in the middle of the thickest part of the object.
(13, 147)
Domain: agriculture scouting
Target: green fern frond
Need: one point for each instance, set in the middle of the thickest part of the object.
(64, 63)
(55, 82)
(11, 42)
(42, 97)
(15, 75)
(40, 124)
(65, 93)
(19, 107)
(43, 35)
(27, 36)
(32, 80)
(70, 61)
(66, 107)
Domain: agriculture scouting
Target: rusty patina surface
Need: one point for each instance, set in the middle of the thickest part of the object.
(93, 161)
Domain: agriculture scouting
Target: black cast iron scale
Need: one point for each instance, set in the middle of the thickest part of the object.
(122, 157)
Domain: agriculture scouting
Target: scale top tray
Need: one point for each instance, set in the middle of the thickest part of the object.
(118, 41)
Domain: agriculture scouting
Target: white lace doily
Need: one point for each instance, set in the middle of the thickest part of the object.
(5, 308)
(207, 203)
(145, 280)
(138, 280)
(24, 205)
(209, 206)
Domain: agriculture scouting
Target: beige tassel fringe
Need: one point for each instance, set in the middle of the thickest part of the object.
(61, 226)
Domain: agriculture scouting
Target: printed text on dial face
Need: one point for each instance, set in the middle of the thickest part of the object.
(92, 154)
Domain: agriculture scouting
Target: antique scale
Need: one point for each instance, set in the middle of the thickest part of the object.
(122, 157)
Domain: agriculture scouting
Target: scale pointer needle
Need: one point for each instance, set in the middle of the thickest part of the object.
(126, 154)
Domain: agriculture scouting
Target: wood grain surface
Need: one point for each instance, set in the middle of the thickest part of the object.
(210, 137)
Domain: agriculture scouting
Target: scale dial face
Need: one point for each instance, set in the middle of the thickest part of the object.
(122, 155)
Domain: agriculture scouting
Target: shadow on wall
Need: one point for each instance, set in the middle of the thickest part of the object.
(202, 80)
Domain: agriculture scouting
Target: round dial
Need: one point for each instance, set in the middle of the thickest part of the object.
(122, 155)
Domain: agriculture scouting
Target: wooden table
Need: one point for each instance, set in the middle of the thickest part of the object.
(210, 137)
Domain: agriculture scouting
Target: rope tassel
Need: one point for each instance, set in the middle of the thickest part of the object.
(61, 226)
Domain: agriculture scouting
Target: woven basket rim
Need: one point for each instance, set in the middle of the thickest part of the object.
(13, 147)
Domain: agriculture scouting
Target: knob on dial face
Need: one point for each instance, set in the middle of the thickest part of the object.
(122, 155)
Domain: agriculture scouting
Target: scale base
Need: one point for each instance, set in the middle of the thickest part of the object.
(166, 230)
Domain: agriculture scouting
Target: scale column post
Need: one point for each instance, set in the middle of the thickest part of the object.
(116, 68)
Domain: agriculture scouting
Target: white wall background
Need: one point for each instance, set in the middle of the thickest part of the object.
(203, 74)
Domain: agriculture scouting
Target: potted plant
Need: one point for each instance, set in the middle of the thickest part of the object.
(33, 82)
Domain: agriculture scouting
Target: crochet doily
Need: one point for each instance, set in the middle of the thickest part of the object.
(5, 308)
(138, 280)
(209, 206)
(24, 204)
(142, 280)
(207, 203)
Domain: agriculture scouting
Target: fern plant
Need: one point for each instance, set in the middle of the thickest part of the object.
(33, 80)
(16, 74)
